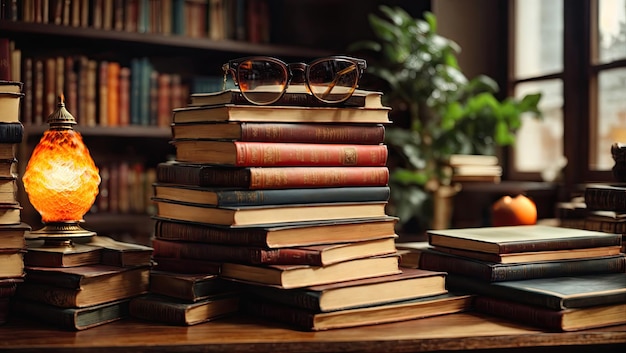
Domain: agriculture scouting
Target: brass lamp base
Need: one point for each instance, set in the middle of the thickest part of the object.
(59, 237)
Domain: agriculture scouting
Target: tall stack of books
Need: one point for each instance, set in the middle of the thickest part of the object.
(557, 278)
(288, 202)
(12, 230)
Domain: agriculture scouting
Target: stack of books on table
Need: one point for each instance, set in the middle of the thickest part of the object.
(474, 168)
(288, 203)
(557, 278)
(606, 208)
(12, 230)
(88, 285)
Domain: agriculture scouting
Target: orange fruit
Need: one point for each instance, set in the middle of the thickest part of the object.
(511, 211)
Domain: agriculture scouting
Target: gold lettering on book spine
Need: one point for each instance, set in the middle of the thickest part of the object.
(349, 156)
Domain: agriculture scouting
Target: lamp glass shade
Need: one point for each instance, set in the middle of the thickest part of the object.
(61, 178)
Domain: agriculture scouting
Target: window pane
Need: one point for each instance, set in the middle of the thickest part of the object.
(538, 37)
(611, 117)
(540, 141)
(612, 30)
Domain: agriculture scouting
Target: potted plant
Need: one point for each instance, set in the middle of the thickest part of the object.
(446, 113)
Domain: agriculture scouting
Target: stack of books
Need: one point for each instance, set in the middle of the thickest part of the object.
(474, 168)
(12, 230)
(605, 206)
(88, 285)
(553, 277)
(288, 202)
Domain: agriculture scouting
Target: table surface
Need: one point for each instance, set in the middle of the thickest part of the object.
(454, 332)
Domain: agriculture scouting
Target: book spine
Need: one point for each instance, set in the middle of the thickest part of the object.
(605, 199)
(65, 281)
(188, 266)
(272, 178)
(291, 154)
(560, 244)
(294, 196)
(8, 290)
(57, 316)
(268, 310)
(247, 255)
(312, 133)
(296, 298)
(493, 272)
(201, 233)
(11, 132)
(157, 311)
(535, 316)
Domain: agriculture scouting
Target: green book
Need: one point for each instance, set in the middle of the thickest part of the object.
(555, 293)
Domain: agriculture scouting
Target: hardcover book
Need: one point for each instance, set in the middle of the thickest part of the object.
(295, 276)
(525, 238)
(152, 307)
(83, 285)
(8, 168)
(122, 254)
(8, 190)
(75, 319)
(556, 293)
(11, 263)
(79, 255)
(371, 134)
(409, 284)
(270, 178)
(371, 315)
(13, 236)
(245, 197)
(12, 132)
(314, 255)
(10, 214)
(187, 287)
(265, 215)
(186, 266)
(292, 97)
(277, 154)
(278, 236)
(561, 320)
(606, 197)
(9, 285)
(269, 113)
(498, 272)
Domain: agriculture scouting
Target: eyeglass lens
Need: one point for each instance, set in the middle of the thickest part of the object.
(330, 80)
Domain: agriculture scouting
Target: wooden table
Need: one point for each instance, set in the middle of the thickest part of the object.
(466, 331)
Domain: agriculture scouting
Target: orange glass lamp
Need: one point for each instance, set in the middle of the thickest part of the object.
(61, 180)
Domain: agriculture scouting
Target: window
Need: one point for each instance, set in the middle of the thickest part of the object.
(574, 52)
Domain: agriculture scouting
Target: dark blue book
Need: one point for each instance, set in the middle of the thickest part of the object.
(244, 197)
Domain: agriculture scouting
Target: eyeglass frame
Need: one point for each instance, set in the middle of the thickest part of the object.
(232, 66)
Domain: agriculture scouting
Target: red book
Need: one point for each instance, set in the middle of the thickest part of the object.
(270, 178)
(267, 154)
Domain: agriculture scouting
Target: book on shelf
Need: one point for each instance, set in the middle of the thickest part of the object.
(278, 236)
(294, 276)
(277, 154)
(40, 255)
(292, 97)
(314, 255)
(269, 113)
(370, 315)
(152, 307)
(186, 266)
(409, 284)
(10, 214)
(525, 238)
(73, 319)
(268, 214)
(187, 287)
(11, 263)
(269, 177)
(555, 293)
(13, 236)
(371, 134)
(606, 197)
(246, 197)
(498, 272)
(534, 256)
(561, 320)
(83, 285)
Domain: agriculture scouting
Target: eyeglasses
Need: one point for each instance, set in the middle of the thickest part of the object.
(263, 80)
